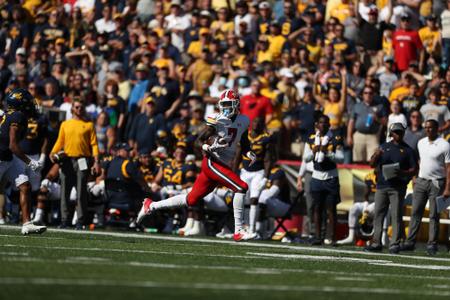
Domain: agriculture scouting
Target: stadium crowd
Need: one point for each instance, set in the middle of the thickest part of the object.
(124, 87)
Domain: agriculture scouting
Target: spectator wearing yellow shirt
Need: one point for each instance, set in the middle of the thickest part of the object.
(276, 40)
(262, 50)
(430, 37)
(334, 102)
(200, 72)
(402, 90)
(341, 11)
(78, 141)
(165, 61)
(196, 47)
(221, 27)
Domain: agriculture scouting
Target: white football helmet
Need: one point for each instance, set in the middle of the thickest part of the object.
(229, 103)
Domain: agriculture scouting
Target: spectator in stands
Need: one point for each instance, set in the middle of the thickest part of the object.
(432, 181)
(365, 126)
(78, 141)
(407, 44)
(256, 105)
(432, 110)
(445, 35)
(396, 164)
(414, 132)
(145, 126)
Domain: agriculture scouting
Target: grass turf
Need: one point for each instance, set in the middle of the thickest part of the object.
(74, 265)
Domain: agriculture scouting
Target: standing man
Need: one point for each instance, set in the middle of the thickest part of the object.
(365, 125)
(78, 140)
(325, 150)
(433, 180)
(396, 164)
(256, 105)
(407, 44)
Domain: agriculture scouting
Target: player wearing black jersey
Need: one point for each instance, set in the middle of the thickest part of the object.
(13, 128)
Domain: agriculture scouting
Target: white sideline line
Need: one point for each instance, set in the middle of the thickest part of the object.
(14, 253)
(362, 279)
(423, 267)
(68, 260)
(216, 286)
(249, 244)
(133, 251)
(319, 258)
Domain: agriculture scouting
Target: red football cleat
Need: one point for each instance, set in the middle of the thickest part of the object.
(145, 210)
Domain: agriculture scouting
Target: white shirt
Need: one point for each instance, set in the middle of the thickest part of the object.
(105, 26)
(445, 20)
(433, 157)
(247, 18)
(179, 23)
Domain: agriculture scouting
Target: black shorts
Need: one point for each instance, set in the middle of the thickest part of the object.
(325, 191)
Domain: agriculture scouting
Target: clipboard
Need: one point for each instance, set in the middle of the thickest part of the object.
(390, 170)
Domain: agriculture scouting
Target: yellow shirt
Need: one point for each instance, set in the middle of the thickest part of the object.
(341, 12)
(333, 111)
(429, 38)
(398, 93)
(387, 47)
(162, 62)
(263, 56)
(314, 52)
(222, 29)
(77, 138)
(195, 49)
(276, 44)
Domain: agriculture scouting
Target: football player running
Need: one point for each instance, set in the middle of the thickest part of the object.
(228, 128)
(13, 128)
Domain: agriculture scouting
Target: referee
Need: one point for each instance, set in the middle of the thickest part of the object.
(434, 172)
(78, 140)
(391, 188)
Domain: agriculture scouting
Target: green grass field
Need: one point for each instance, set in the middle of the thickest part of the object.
(106, 266)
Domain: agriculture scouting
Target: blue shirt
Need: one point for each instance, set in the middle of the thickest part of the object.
(395, 153)
(137, 93)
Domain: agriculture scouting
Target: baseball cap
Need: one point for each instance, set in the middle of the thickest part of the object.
(149, 100)
(141, 67)
(175, 3)
(397, 127)
(21, 51)
(405, 16)
(432, 17)
(388, 58)
(205, 13)
(123, 146)
(60, 41)
(264, 5)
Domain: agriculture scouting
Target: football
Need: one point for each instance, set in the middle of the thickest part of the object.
(212, 139)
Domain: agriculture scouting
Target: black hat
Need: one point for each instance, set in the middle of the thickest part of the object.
(397, 127)
(123, 146)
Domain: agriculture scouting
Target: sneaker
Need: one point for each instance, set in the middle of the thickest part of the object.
(30, 228)
(373, 248)
(395, 249)
(407, 247)
(224, 233)
(244, 235)
(196, 230)
(145, 210)
(347, 241)
(432, 250)
(2, 221)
